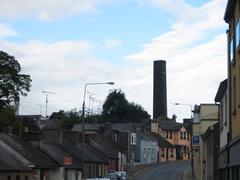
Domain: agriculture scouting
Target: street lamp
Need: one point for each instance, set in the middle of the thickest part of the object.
(83, 119)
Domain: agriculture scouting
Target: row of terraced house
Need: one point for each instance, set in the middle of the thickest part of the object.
(52, 153)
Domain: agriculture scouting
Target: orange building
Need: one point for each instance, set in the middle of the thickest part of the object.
(178, 134)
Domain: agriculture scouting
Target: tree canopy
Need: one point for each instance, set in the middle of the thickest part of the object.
(12, 83)
(65, 120)
(116, 108)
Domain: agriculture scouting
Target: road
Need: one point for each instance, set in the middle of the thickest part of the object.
(166, 171)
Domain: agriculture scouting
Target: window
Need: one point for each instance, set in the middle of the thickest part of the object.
(171, 153)
(26, 177)
(163, 153)
(181, 135)
(226, 108)
(133, 138)
(184, 135)
(170, 135)
(238, 34)
(234, 95)
(9, 177)
(17, 177)
(167, 134)
(231, 49)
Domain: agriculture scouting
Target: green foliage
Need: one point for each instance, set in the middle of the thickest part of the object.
(7, 116)
(12, 83)
(116, 108)
(65, 119)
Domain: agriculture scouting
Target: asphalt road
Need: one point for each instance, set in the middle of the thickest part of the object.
(166, 171)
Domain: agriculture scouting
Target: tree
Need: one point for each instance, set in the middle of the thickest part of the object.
(12, 83)
(65, 120)
(7, 116)
(116, 108)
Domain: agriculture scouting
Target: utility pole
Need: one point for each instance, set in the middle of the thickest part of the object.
(46, 95)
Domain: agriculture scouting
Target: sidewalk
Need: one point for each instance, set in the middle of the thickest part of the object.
(187, 174)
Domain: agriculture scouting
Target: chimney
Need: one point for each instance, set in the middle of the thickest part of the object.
(159, 89)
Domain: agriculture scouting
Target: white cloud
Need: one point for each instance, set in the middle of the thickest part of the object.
(195, 51)
(5, 31)
(48, 10)
(62, 67)
(112, 43)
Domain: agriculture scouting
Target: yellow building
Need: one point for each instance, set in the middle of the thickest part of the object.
(232, 17)
(204, 116)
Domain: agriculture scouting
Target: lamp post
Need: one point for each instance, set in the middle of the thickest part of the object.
(83, 119)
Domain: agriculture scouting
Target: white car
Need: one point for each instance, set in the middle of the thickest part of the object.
(122, 174)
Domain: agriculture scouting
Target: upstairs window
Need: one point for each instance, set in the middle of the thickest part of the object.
(238, 34)
(133, 138)
(184, 135)
(231, 49)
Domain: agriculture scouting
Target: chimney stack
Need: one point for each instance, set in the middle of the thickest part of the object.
(159, 89)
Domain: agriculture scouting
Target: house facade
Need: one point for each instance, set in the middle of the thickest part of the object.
(204, 116)
(211, 142)
(176, 134)
(232, 18)
(146, 149)
(222, 98)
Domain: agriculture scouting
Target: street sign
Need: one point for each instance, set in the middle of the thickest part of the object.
(195, 141)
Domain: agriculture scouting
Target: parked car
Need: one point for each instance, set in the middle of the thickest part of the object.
(98, 179)
(122, 174)
(113, 176)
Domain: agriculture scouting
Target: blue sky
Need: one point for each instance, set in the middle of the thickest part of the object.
(64, 44)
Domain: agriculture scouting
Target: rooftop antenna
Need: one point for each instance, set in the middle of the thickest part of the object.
(46, 95)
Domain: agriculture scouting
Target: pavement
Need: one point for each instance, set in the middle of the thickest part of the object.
(176, 170)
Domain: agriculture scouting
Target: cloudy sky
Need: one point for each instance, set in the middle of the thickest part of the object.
(64, 44)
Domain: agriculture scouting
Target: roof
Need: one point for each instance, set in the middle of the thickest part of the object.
(151, 136)
(170, 125)
(89, 154)
(105, 146)
(128, 127)
(221, 91)
(58, 152)
(9, 162)
(89, 127)
(28, 151)
(229, 10)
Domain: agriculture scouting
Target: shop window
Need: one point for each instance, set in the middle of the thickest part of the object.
(163, 153)
(171, 153)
